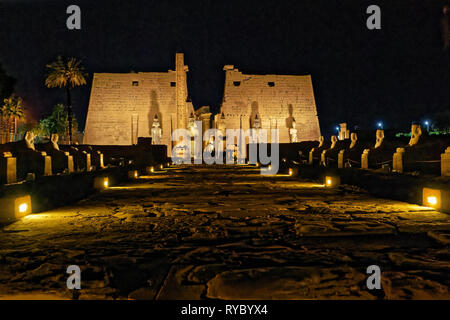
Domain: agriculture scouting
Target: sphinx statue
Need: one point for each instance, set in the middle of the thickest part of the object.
(416, 132)
(353, 138)
(379, 138)
(321, 141)
(54, 140)
(334, 140)
(29, 140)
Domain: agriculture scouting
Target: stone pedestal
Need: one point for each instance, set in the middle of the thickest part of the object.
(8, 168)
(88, 161)
(445, 163)
(397, 160)
(323, 157)
(365, 159)
(70, 165)
(47, 164)
(341, 159)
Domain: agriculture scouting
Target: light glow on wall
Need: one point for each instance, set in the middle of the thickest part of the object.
(101, 183)
(432, 198)
(14, 207)
(23, 208)
(332, 181)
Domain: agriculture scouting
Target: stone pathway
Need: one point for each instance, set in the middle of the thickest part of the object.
(226, 232)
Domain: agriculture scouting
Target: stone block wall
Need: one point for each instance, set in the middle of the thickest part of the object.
(122, 106)
(276, 99)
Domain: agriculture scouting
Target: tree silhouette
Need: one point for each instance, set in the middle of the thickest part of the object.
(66, 73)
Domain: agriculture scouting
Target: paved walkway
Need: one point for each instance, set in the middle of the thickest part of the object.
(226, 232)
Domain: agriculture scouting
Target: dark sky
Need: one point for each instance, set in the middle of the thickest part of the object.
(397, 74)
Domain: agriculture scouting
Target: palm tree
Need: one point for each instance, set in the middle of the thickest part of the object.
(66, 73)
(12, 110)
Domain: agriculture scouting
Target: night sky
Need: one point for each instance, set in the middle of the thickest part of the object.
(397, 74)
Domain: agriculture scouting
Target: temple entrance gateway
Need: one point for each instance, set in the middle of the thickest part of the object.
(158, 103)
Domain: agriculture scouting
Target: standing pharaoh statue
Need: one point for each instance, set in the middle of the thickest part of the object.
(256, 128)
(210, 147)
(194, 130)
(156, 131)
(191, 124)
(293, 132)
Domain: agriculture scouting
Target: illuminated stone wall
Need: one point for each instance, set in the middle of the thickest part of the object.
(122, 106)
(277, 99)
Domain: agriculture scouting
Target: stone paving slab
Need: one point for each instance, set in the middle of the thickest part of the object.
(226, 232)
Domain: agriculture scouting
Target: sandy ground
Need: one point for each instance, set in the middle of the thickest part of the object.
(226, 232)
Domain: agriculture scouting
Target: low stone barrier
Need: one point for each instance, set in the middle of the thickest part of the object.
(351, 156)
(381, 154)
(48, 192)
(8, 168)
(394, 186)
(29, 160)
(445, 163)
(315, 153)
(422, 154)
(329, 157)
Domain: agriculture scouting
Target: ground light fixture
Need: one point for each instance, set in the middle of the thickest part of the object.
(101, 183)
(134, 174)
(432, 200)
(14, 207)
(161, 167)
(436, 198)
(293, 172)
(332, 181)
